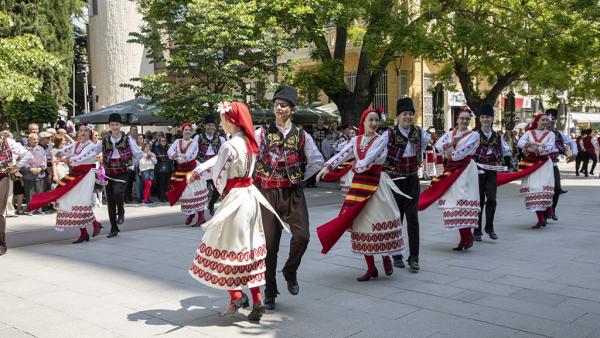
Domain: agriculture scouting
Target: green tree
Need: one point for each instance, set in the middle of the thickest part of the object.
(381, 29)
(23, 61)
(547, 43)
(209, 51)
(52, 22)
(42, 109)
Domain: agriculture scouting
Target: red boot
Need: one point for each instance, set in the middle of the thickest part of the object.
(468, 238)
(97, 227)
(371, 270)
(189, 219)
(83, 236)
(387, 266)
(200, 219)
(541, 220)
(461, 244)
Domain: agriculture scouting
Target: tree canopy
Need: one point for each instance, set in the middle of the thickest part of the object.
(210, 51)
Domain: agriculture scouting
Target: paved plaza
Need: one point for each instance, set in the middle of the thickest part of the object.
(528, 283)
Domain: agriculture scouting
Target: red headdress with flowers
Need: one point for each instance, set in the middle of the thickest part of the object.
(237, 113)
(363, 117)
(187, 124)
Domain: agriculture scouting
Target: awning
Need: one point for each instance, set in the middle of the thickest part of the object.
(136, 111)
(585, 117)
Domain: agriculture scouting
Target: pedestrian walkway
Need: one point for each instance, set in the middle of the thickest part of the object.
(528, 283)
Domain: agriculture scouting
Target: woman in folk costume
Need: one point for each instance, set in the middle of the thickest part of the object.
(74, 194)
(233, 250)
(458, 187)
(536, 169)
(373, 221)
(192, 196)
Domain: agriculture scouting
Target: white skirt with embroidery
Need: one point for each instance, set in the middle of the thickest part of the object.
(194, 198)
(378, 229)
(346, 181)
(460, 203)
(538, 188)
(75, 208)
(233, 250)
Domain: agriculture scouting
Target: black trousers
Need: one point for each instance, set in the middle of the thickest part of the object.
(162, 182)
(557, 188)
(130, 183)
(578, 160)
(487, 199)
(408, 210)
(291, 207)
(214, 193)
(114, 197)
(587, 157)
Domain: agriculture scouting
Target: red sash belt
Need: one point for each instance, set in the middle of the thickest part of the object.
(362, 189)
(64, 186)
(240, 182)
(338, 172)
(526, 167)
(275, 182)
(441, 184)
(178, 181)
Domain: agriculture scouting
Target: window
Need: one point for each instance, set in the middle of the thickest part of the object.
(351, 80)
(427, 101)
(381, 94)
(93, 7)
(403, 84)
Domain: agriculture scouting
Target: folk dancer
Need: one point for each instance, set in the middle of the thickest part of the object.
(405, 147)
(74, 193)
(564, 146)
(13, 157)
(233, 250)
(458, 187)
(192, 196)
(119, 153)
(209, 144)
(588, 144)
(286, 157)
(374, 223)
(489, 157)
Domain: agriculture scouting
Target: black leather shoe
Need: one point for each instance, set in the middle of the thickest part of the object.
(477, 236)
(235, 305)
(269, 302)
(292, 283)
(211, 209)
(398, 262)
(113, 234)
(258, 310)
(492, 234)
(554, 217)
(564, 191)
(121, 219)
(414, 264)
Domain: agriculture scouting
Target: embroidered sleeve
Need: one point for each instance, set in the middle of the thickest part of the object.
(89, 151)
(192, 152)
(443, 142)
(69, 148)
(573, 145)
(21, 153)
(172, 149)
(135, 150)
(314, 159)
(523, 140)
(466, 147)
(345, 154)
(220, 172)
(375, 155)
(425, 139)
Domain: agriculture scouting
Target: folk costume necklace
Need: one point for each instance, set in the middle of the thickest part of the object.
(361, 149)
(461, 137)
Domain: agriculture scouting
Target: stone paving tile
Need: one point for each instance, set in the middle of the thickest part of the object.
(583, 305)
(565, 313)
(577, 292)
(14, 333)
(538, 297)
(375, 306)
(468, 296)
(531, 324)
(528, 283)
(485, 287)
(435, 303)
(589, 320)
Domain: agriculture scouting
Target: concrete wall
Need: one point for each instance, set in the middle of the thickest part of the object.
(113, 60)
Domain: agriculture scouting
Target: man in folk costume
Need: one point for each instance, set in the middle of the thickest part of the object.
(458, 187)
(193, 197)
(588, 146)
(74, 194)
(13, 156)
(374, 223)
(287, 156)
(233, 249)
(406, 144)
(209, 144)
(562, 142)
(535, 171)
(119, 152)
(489, 157)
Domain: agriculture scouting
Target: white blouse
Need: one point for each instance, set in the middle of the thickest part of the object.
(376, 153)
(190, 147)
(81, 152)
(545, 137)
(465, 147)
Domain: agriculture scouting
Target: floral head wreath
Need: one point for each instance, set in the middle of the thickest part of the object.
(224, 107)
